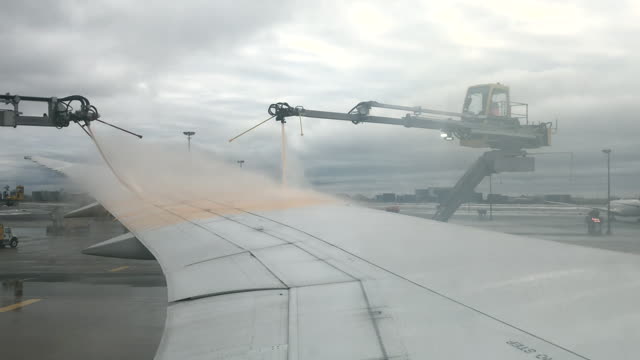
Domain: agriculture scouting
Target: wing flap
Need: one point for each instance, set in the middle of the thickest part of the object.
(333, 322)
(246, 325)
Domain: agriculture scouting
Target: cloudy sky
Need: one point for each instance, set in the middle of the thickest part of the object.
(159, 68)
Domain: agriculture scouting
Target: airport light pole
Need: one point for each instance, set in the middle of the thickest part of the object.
(240, 162)
(608, 152)
(490, 197)
(189, 135)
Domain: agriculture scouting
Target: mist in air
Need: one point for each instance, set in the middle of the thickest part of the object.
(169, 174)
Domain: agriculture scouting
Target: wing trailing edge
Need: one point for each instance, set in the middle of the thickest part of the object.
(125, 246)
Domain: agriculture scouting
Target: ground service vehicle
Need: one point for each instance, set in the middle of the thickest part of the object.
(7, 238)
(489, 119)
(594, 222)
(11, 197)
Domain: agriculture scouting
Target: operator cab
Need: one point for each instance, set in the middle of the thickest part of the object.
(487, 101)
(490, 104)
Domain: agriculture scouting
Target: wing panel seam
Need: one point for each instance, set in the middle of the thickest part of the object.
(203, 296)
(478, 311)
(286, 242)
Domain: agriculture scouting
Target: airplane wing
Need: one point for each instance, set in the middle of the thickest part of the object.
(632, 205)
(584, 207)
(58, 166)
(271, 273)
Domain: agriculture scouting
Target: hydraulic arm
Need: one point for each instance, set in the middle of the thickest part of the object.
(60, 112)
(473, 131)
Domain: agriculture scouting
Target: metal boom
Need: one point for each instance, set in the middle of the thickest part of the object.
(497, 134)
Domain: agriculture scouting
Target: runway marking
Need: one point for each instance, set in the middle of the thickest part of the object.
(119, 268)
(19, 305)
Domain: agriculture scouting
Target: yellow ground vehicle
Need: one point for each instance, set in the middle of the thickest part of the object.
(11, 197)
(491, 106)
(7, 238)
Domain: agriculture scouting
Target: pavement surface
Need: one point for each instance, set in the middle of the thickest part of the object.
(557, 223)
(56, 303)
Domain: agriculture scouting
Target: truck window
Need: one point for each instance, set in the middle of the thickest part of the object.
(475, 102)
(499, 103)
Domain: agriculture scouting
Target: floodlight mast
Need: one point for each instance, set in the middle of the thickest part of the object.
(608, 152)
(189, 135)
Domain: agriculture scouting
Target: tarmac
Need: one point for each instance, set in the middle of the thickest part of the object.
(56, 303)
(556, 223)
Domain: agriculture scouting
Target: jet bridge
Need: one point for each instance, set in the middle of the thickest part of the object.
(487, 120)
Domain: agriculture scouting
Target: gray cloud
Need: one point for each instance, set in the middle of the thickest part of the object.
(214, 67)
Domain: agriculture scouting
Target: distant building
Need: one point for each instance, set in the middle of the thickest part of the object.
(558, 198)
(360, 197)
(522, 199)
(46, 196)
(423, 195)
(440, 194)
(389, 197)
(386, 197)
(406, 198)
(475, 197)
(497, 198)
(77, 198)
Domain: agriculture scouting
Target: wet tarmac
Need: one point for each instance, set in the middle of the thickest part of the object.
(556, 223)
(56, 303)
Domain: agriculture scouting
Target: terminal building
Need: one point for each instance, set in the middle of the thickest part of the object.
(440, 194)
(565, 198)
(46, 196)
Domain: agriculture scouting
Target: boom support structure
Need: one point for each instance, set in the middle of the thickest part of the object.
(490, 162)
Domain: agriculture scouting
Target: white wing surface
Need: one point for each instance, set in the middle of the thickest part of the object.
(265, 273)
